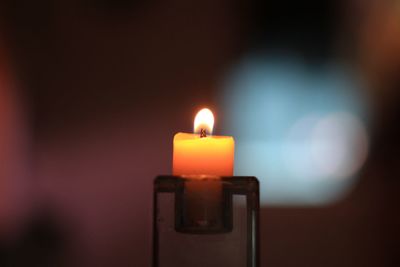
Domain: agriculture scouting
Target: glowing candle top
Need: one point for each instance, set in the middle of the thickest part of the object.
(201, 153)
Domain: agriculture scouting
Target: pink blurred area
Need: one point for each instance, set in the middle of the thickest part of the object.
(15, 182)
(100, 178)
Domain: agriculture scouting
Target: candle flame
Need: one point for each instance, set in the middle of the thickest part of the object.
(204, 120)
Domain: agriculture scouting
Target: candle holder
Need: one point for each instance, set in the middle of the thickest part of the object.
(205, 221)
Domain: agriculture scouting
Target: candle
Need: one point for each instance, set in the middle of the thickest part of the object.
(201, 153)
(201, 158)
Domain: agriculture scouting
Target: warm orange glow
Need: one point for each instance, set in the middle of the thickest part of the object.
(204, 120)
(196, 155)
(212, 155)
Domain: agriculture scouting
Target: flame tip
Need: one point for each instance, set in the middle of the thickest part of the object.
(204, 120)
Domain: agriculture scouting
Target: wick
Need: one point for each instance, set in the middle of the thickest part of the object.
(203, 133)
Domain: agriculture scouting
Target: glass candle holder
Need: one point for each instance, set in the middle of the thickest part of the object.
(206, 221)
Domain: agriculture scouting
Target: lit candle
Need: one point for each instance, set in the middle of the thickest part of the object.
(202, 158)
(201, 153)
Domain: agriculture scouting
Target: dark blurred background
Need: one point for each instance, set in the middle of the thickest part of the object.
(92, 92)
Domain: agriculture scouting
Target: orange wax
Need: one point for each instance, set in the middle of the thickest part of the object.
(195, 155)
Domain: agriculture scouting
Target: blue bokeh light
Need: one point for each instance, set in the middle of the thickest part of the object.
(299, 129)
